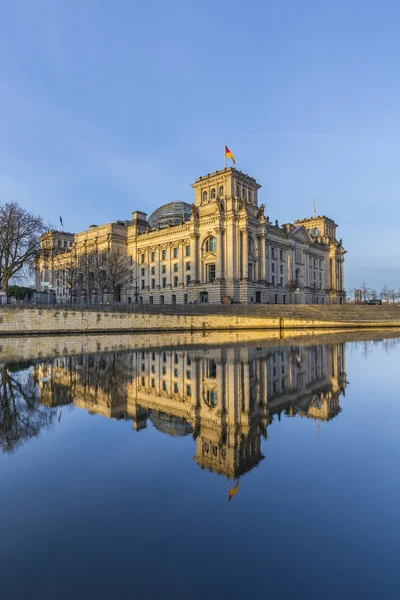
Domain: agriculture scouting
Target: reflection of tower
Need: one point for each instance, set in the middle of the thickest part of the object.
(230, 426)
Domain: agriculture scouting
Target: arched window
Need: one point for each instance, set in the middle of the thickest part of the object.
(221, 190)
(210, 245)
(204, 196)
(244, 194)
(212, 194)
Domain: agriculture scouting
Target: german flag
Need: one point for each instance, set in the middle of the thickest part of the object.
(228, 154)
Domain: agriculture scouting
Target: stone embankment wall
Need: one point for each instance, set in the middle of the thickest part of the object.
(29, 321)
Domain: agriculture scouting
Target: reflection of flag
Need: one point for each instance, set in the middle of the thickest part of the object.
(233, 491)
(228, 154)
(61, 221)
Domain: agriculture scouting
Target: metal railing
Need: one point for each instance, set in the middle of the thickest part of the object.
(315, 311)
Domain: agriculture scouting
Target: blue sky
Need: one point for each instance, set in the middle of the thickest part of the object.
(111, 106)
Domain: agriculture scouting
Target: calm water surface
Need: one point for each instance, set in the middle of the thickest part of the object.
(228, 472)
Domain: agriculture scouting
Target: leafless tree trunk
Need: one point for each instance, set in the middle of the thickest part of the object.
(118, 271)
(19, 240)
(364, 291)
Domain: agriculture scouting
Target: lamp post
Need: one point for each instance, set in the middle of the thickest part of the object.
(296, 295)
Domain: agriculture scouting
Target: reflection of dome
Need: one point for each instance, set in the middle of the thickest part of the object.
(168, 424)
(171, 213)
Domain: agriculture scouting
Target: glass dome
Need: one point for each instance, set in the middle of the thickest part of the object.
(170, 214)
(171, 425)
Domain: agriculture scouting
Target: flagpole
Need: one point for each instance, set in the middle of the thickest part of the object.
(225, 156)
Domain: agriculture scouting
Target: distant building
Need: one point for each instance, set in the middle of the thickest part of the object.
(222, 248)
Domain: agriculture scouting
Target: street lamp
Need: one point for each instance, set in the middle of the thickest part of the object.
(296, 294)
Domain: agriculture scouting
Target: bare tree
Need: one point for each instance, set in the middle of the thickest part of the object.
(118, 272)
(373, 294)
(100, 264)
(385, 293)
(67, 267)
(19, 240)
(364, 291)
(87, 268)
(392, 294)
(21, 416)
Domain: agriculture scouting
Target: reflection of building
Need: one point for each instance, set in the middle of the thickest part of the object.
(225, 397)
(220, 247)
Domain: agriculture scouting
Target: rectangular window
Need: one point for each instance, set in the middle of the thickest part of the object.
(164, 282)
(176, 359)
(164, 370)
(143, 272)
(164, 269)
(175, 282)
(161, 299)
(273, 280)
(142, 258)
(163, 255)
(142, 381)
(281, 254)
(153, 270)
(153, 284)
(211, 369)
(187, 250)
(175, 252)
(176, 388)
(281, 280)
(153, 382)
(151, 299)
(188, 266)
(153, 356)
(188, 390)
(142, 284)
(188, 374)
(164, 386)
(273, 267)
(175, 267)
(164, 356)
(211, 273)
(188, 361)
(281, 269)
(153, 368)
(173, 299)
(143, 367)
(176, 373)
(187, 279)
(273, 253)
(153, 256)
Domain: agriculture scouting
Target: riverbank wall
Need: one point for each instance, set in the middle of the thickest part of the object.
(62, 321)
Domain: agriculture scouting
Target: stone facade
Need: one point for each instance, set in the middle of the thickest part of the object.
(227, 251)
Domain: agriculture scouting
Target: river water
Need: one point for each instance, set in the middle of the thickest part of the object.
(202, 472)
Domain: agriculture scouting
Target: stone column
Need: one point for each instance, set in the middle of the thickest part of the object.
(194, 257)
(245, 253)
(220, 254)
(341, 275)
(182, 273)
(230, 249)
(158, 268)
(262, 274)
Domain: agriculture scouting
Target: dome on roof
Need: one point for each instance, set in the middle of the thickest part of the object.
(171, 425)
(170, 214)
